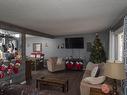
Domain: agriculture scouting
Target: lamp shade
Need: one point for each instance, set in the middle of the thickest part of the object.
(115, 71)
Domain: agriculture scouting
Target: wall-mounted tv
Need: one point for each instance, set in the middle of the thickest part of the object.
(74, 43)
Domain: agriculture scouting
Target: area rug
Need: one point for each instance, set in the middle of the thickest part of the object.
(74, 78)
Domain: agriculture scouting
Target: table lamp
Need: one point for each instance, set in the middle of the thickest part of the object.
(116, 72)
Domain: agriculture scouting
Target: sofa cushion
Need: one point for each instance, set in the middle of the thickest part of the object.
(59, 60)
(89, 66)
(95, 72)
(87, 73)
(101, 68)
(95, 80)
(53, 60)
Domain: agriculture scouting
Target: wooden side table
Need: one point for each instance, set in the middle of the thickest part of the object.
(95, 91)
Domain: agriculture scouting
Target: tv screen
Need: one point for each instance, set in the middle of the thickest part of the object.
(74, 43)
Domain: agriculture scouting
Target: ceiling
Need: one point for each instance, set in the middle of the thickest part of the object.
(62, 17)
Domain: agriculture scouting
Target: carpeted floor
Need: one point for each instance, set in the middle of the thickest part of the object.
(74, 78)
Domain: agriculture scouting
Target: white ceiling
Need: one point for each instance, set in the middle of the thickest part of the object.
(62, 17)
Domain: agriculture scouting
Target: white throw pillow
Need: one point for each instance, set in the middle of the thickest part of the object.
(95, 80)
(59, 60)
(94, 71)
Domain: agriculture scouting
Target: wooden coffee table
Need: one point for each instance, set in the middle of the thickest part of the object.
(52, 81)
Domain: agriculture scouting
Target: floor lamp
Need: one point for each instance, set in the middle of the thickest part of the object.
(116, 72)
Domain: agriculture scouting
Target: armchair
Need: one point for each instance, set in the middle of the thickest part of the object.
(84, 86)
(55, 64)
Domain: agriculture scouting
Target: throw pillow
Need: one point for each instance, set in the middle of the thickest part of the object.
(59, 61)
(95, 72)
(89, 66)
(95, 80)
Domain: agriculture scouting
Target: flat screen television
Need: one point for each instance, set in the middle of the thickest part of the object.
(74, 43)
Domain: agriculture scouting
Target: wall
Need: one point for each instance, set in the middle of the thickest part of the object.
(125, 55)
(52, 49)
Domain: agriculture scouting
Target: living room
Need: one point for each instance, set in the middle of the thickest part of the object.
(37, 55)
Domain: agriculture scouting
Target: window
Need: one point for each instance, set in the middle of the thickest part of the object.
(116, 44)
(120, 46)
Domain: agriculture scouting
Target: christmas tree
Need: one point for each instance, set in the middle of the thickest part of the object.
(97, 52)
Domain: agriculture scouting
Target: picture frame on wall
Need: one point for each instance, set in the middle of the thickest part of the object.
(37, 47)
